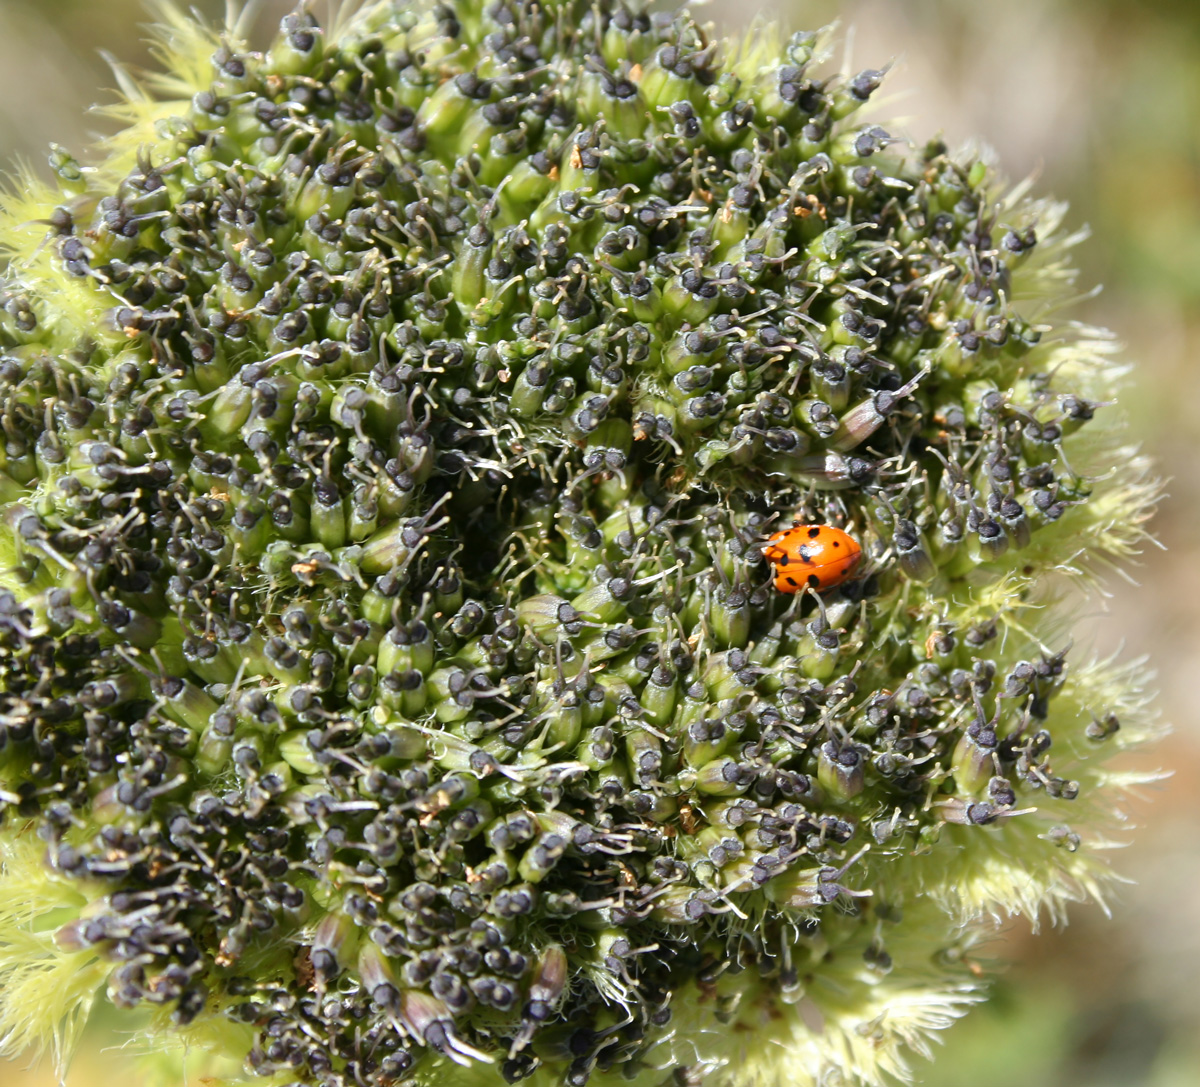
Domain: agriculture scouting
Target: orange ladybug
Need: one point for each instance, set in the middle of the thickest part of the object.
(819, 556)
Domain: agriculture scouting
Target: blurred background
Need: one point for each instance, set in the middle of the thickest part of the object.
(1100, 100)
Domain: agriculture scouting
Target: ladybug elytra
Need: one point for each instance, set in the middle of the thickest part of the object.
(815, 556)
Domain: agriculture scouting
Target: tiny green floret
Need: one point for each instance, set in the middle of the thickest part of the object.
(392, 684)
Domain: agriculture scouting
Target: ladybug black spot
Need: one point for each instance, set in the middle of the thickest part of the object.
(814, 581)
(837, 543)
(814, 532)
(792, 581)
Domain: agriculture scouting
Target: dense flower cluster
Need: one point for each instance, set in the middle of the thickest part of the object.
(390, 669)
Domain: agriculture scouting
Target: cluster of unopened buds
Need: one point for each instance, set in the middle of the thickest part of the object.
(406, 668)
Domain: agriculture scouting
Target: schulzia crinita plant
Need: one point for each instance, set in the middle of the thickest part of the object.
(393, 682)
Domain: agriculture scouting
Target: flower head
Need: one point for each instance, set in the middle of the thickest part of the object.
(393, 681)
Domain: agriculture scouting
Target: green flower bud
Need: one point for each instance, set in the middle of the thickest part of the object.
(723, 776)
(840, 770)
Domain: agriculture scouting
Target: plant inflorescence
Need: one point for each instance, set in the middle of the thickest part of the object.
(392, 683)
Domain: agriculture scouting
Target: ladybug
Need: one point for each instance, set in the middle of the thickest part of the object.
(818, 556)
